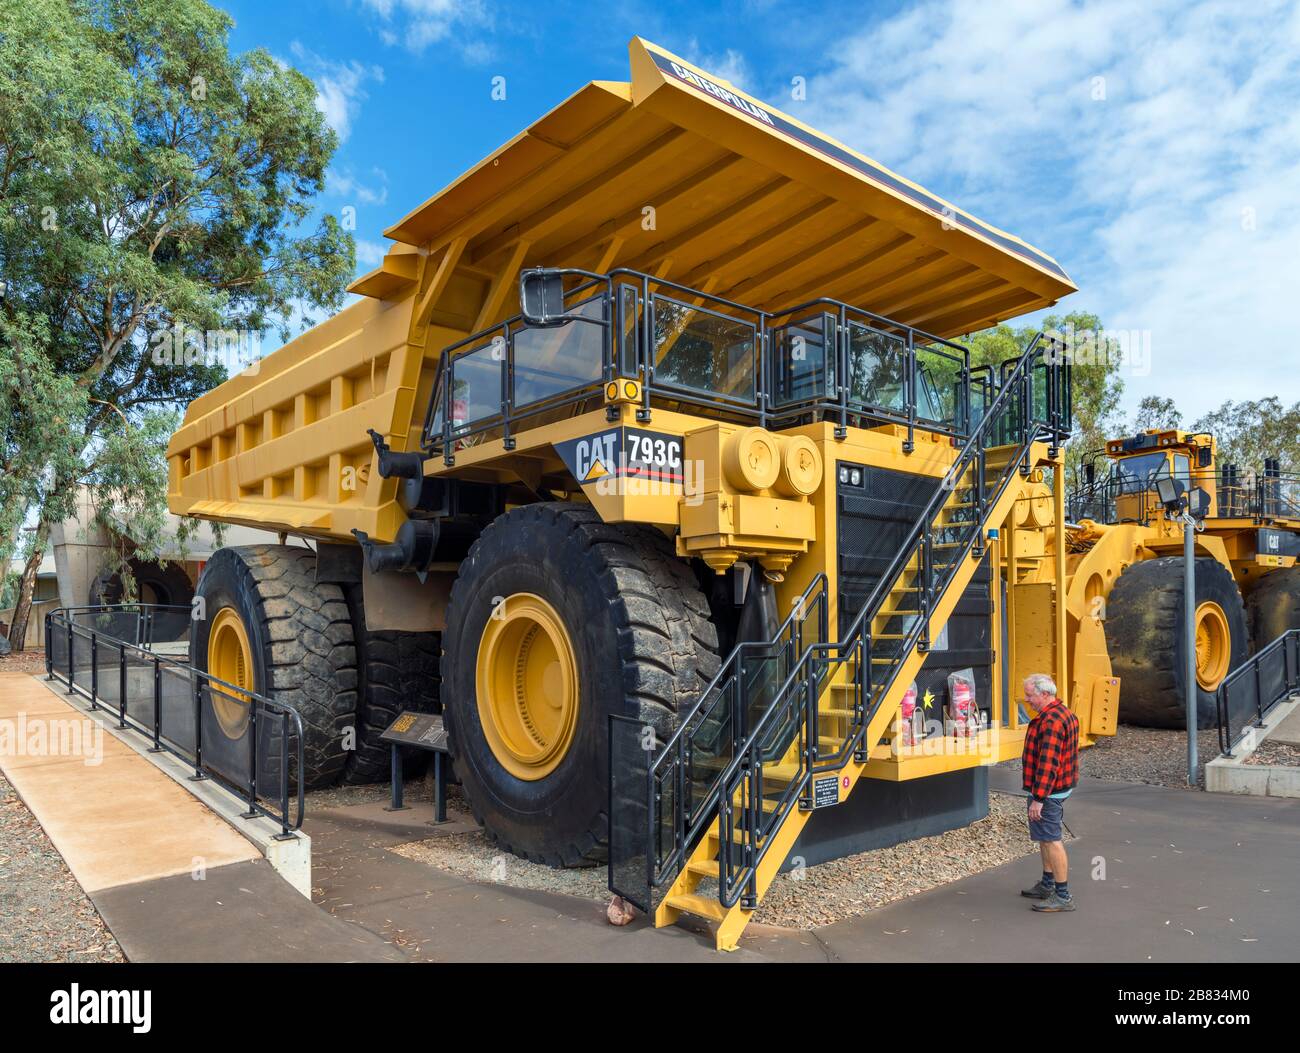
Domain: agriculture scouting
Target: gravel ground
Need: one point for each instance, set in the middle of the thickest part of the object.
(24, 662)
(840, 889)
(848, 887)
(1276, 753)
(1157, 756)
(44, 914)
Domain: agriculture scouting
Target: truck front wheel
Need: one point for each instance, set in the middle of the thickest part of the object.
(556, 621)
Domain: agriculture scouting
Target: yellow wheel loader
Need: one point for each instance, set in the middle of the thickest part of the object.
(1125, 554)
(655, 429)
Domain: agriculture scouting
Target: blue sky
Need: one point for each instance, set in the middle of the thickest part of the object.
(1152, 148)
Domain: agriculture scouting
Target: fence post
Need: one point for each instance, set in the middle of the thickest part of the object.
(157, 707)
(284, 834)
(94, 669)
(49, 650)
(121, 685)
(198, 728)
(252, 761)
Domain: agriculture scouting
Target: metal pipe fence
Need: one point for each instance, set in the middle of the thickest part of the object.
(249, 745)
(1249, 692)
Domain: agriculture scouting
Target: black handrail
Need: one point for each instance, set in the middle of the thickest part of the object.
(619, 337)
(745, 773)
(794, 704)
(1281, 658)
(201, 685)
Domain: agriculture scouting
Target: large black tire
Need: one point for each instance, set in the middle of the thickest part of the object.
(397, 671)
(1144, 634)
(1273, 606)
(304, 652)
(644, 648)
(164, 585)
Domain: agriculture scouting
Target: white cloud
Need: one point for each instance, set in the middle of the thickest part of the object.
(373, 191)
(416, 24)
(729, 65)
(1147, 194)
(339, 86)
(370, 254)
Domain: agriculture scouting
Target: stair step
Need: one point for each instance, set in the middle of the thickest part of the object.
(704, 867)
(700, 906)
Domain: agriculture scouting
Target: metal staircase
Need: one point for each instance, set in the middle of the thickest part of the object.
(702, 824)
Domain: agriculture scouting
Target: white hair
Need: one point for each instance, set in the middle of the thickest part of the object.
(1041, 684)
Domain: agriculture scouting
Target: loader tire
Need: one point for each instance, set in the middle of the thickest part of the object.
(1273, 606)
(302, 649)
(1144, 633)
(396, 671)
(614, 614)
(157, 585)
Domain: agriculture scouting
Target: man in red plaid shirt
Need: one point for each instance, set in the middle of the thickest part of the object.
(1051, 772)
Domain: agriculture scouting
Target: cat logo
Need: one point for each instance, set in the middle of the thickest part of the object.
(596, 455)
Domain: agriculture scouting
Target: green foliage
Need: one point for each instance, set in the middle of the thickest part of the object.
(1094, 360)
(151, 183)
(1247, 432)
(1155, 412)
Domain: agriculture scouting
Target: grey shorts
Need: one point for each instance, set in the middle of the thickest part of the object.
(1048, 828)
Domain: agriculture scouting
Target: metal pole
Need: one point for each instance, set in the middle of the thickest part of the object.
(1189, 641)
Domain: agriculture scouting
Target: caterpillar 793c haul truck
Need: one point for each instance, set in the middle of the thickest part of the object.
(649, 456)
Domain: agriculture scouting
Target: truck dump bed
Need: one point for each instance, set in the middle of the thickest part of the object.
(676, 174)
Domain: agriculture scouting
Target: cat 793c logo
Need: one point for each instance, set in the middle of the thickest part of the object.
(624, 453)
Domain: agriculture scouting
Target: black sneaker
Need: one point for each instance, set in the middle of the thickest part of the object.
(1039, 891)
(1054, 904)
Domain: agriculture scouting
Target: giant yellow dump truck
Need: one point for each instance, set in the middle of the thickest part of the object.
(651, 456)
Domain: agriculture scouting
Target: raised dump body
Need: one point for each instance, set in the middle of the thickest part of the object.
(676, 174)
(653, 458)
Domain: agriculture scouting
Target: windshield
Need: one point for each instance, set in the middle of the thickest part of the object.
(1137, 474)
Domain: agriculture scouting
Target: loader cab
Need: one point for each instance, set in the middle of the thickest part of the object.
(1127, 493)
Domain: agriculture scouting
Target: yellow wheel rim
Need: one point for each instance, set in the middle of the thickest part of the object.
(230, 658)
(1213, 645)
(527, 686)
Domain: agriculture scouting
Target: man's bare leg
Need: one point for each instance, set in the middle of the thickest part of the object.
(1055, 860)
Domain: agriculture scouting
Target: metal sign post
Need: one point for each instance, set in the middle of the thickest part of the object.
(1189, 640)
(1190, 505)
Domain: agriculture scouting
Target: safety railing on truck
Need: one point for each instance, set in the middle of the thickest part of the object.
(680, 347)
(1128, 492)
(764, 702)
(1248, 693)
(245, 742)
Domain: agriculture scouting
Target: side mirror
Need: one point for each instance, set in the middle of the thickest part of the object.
(1203, 457)
(541, 298)
(1090, 472)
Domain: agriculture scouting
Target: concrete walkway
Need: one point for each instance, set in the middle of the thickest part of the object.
(1159, 874)
(172, 880)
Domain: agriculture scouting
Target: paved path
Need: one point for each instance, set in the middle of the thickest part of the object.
(1160, 874)
(1188, 876)
(171, 879)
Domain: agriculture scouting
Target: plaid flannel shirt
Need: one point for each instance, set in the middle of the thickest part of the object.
(1051, 757)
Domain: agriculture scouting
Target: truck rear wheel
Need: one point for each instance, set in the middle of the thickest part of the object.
(557, 620)
(1144, 633)
(396, 670)
(1273, 606)
(270, 627)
